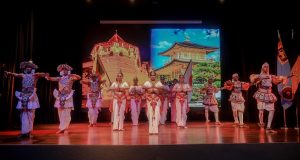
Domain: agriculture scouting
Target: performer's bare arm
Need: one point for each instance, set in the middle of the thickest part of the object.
(218, 89)
(254, 79)
(279, 79)
(189, 88)
(228, 85)
(245, 86)
(126, 92)
(103, 82)
(202, 90)
(14, 74)
(85, 82)
(41, 74)
(161, 89)
(173, 90)
(145, 88)
(75, 77)
(52, 78)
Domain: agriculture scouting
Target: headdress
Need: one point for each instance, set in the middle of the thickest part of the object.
(235, 75)
(120, 72)
(152, 72)
(64, 66)
(28, 64)
(264, 65)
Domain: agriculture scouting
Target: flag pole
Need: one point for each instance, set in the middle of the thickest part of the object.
(284, 120)
(297, 121)
(297, 118)
(297, 105)
(284, 117)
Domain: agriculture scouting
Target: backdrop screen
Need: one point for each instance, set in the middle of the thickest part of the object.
(174, 50)
(135, 48)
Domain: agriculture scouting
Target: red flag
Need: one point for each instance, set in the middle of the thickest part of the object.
(296, 75)
(284, 69)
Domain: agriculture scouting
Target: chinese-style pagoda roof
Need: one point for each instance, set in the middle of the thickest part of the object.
(174, 62)
(188, 44)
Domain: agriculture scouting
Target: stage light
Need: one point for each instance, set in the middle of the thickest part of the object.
(150, 22)
(88, 1)
(221, 1)
(132, 1)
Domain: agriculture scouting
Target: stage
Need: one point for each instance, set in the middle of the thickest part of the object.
(207, 141)
(169, 134)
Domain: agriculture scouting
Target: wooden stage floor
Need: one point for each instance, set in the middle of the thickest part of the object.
(169, 134)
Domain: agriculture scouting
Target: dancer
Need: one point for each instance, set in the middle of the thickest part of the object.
(236, 98)
(94, 98)
(153, 89)
(135, 93)
(181, 101)
(264, 96)
(64, 95)
(28, 99)
(119, 89)
(210, 102)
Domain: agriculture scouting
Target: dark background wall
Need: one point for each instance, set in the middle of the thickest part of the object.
(55, 32)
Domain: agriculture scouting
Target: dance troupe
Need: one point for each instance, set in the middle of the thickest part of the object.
(157, 94)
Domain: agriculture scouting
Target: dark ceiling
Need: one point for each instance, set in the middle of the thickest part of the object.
(226, 11)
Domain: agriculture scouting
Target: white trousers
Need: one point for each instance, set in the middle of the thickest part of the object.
(214, 109)
(93, 115)
(27, 119)
(181, 116)
(118, 114)
(270, 108)
(135, 111)
(238, 111)
(163, 116)
(64, 116)
(153, 116)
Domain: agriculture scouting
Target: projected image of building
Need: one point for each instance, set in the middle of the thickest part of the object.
(108, 58)
(173, 49)
(181, 53)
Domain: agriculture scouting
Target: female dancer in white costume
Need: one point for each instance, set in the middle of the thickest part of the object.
(119, 89)
(181, 90)
(153, 88)
(264, 96)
